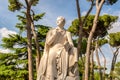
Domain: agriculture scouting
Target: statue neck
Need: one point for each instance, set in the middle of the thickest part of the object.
(60, 28)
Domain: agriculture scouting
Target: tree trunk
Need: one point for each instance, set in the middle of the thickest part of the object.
(29, 47)
(104, 63)
(37, 46)
(98, 7)
(80, 29)
(98, 61)
(115, 54)
(29, 40)
(81, 23)
(92, 65)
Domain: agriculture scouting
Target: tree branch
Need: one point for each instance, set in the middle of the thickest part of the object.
(97, 4)
(27, 3)
(78, 10)
(31, 2)
(104, 62)
(90, 9)
(101, 3)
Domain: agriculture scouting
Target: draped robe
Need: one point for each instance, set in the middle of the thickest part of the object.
(59, 60)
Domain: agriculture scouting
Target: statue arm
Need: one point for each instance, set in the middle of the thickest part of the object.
(68, 43)
(49, 40)
(69, 37)
(50, 37)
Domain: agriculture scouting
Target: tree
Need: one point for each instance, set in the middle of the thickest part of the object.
(81, 23)
(14, 65)
(114, 41)
(17, 43)
(104, 22)
(17, 5)
(99, 4)
(117, 70)
(9, 68)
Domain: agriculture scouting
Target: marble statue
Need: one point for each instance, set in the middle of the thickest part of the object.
(59, 60)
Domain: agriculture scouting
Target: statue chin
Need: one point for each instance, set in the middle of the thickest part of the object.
(59, 61)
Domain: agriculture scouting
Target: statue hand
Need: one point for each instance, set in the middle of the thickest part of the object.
(67, 46)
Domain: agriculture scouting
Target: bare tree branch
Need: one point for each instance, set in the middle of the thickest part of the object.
(80, 28)
(101, 3)
(98, 60)
(90, 9)
(97, 4)
(104, 62)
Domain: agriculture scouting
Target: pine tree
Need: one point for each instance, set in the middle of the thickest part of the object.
(114, 41)
(30, 28)
(14, 65)
(104, 23)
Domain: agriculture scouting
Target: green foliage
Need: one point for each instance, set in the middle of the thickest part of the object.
(15, 63)
(96, 76)
(81, 68)
(10, 68)
(117, 71)
(21, 27)
(42, 32)
(12, 40)
(22, 24)
(102, 41)
(110, 2)
(35, 2)
(17, 5)
(104, 22)
(22, 19)
(107, 19)
(83, 45)
(38, 16)
(15, 66)
(14, 5)
(74, 27)
(114, 39)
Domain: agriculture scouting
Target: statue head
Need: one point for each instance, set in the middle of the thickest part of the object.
(60, 21)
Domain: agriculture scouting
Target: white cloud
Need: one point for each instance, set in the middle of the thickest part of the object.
(84, 13)
(4, 32)
(5, 51)
(115, 26)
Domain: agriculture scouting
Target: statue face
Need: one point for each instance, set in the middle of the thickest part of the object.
(60, 21)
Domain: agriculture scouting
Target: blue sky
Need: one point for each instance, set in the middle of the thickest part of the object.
(53, 9)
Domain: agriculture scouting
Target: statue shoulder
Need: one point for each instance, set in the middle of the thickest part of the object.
(51, 30)
(67, 32)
